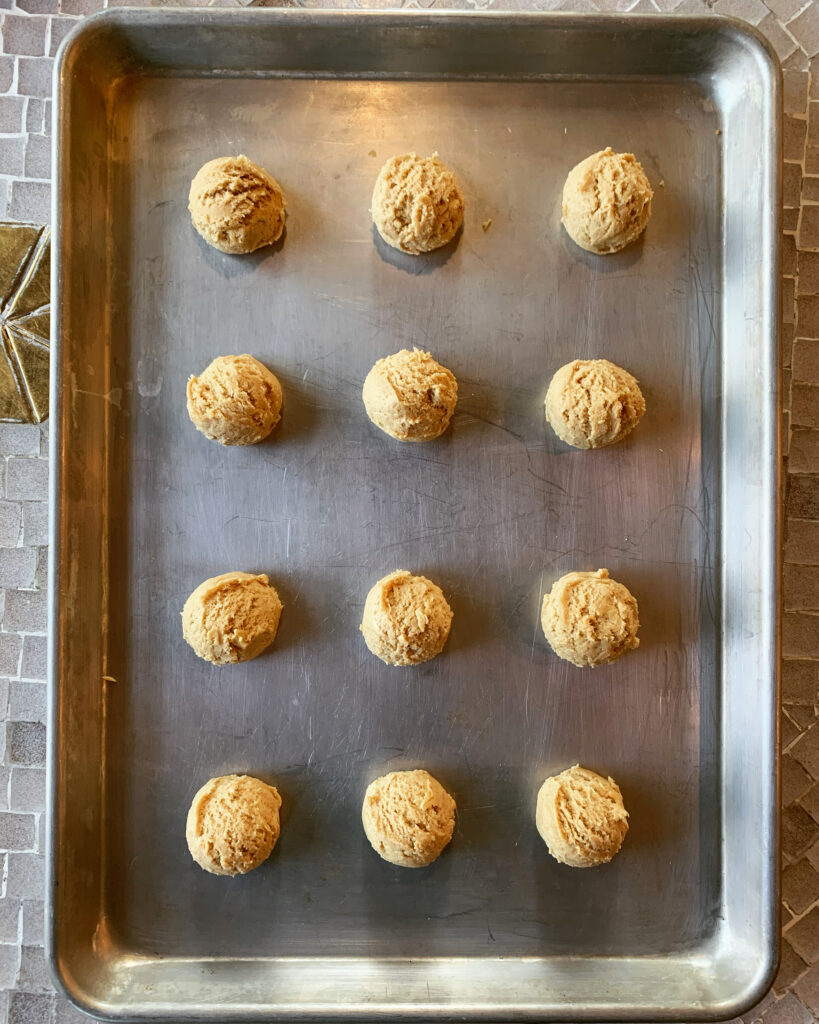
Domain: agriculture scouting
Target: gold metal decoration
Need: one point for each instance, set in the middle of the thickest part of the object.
(25, 321)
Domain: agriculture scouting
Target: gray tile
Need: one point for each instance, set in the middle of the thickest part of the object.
(787, 1010)
(10, 647)
(30, 1008)
(784, 9)
(17, 831)
(26, 611)
(10, 920)
(27, 702)
(60, 27)
(44, 438)
(65, 1013)
(34, 76)
(27, 789)
(41, 574)
(803, 452)
(27, 479)
(11, 518)
(19, 439)
(17, 567)
(38, 6)
(5, 774)
(26, 743)
(781, 41)
(80, 6)
(752, 11)
(33, 976)
(35, 523)
(34, 665)
(47, 118)
(805, 29)
(12, 150)
(6, 73)
(11, 114)
(26, 876)
(33, 922)
(802, 542)
(9, 959)
(38, 157)
(30, 200)
(24, 34)
(34, 114)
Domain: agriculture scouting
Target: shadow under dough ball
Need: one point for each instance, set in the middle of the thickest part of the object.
(233, 824)
(406, 619)
(236, 400)
(410, 396)
(232, 617)
(581, 818)
(236, 206)
(590, 619)
(592, 403)
(417, 206)
(408, 818)
(606, 201)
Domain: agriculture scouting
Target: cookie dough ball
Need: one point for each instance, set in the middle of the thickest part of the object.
(236, 206)
(408, 818)
(236, 401)
(581, 817)
(233, 824)
(417, 205)
(592, 403)
(406, 619)
(590, 619)
(606, 201)
(231, 617)
(410, 396)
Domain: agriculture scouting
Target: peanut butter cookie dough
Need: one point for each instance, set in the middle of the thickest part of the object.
(592, 403)
(408, 818)
(417, 205)
(406, 619)
(236, 401)
(236, 206)
(581, 817)
(232, 617)
(233, 824)
(590, 619)
(606, 201)
(410, 396)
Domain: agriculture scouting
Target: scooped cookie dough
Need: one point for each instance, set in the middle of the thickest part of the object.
(592, 403)
(606, 201)
(410, 396)
(236, 206)
(581, 817)
(233, 824)
(406, 619)
(417, 205)
(408, 818)
(232, 617)
(590, 619)
(236, 401)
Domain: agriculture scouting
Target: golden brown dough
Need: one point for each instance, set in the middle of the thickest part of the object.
(410, 396)
(581, 817)
(236, 206)
(232, 617)
(590, 619)
(233, 824)
(408, 818)
(236, 400)
(406, 619)
(606, 201)
(417, 205)
(592, 403)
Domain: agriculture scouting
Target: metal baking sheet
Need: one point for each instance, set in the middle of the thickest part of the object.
(683, 923)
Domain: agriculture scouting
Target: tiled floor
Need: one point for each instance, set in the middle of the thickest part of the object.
(30, 32)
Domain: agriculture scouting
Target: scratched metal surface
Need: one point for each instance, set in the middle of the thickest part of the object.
(494, 511)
